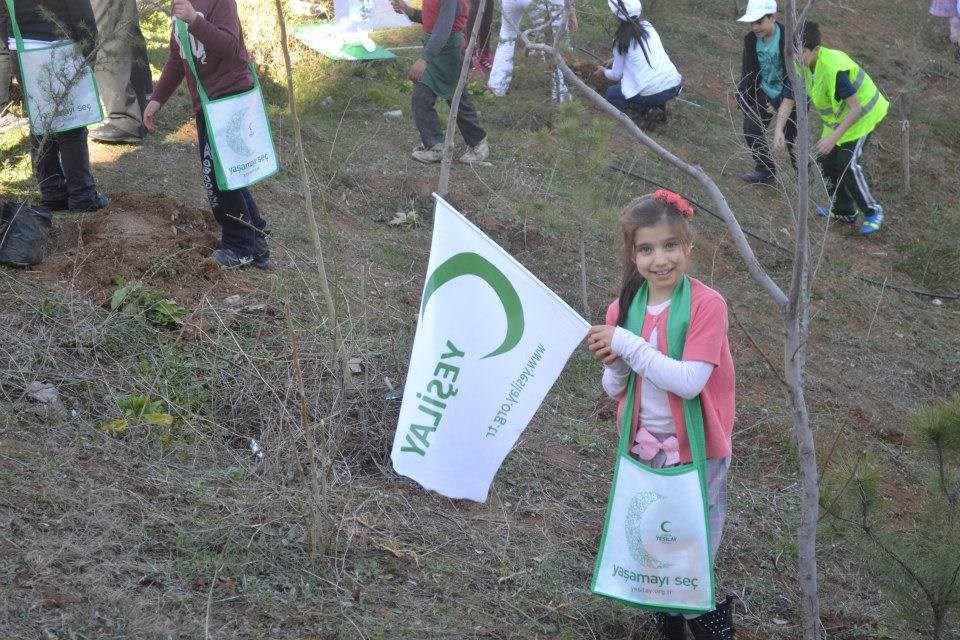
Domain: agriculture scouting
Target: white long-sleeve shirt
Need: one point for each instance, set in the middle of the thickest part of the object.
(635, 75)
(661, 373)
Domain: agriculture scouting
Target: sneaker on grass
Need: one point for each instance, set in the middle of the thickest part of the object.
(476, 154)
(759, 177)
(871, 223)
(112, 134)
(230, 259)
(428, 156)
(848, 218)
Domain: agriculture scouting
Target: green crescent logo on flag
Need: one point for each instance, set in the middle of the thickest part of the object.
(473, 264)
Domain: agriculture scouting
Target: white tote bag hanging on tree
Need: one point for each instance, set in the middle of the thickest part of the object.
(237, 127)
(58, 84)
(655, 550)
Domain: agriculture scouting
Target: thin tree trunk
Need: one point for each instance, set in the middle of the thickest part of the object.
(318, 487)
(796, 325)
(341, 354)
(794, 363)
(583, 272)
(447, 159)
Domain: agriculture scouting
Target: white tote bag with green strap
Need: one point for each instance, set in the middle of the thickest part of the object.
(58, 84)
(655, 551)
(238, 129)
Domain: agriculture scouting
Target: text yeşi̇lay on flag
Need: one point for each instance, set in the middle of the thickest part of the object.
(491, 341)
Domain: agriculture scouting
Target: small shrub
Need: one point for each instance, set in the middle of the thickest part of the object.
(135, 298)
(915, 556)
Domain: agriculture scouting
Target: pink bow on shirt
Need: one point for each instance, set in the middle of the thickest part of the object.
(647, 446)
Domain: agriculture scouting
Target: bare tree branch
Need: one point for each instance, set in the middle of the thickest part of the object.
(695, 171)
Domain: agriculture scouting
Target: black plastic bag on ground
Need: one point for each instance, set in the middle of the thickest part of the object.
(24, 233)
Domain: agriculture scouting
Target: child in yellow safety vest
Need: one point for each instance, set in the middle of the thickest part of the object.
(851, 106)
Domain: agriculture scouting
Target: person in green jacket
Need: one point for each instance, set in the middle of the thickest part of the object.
(851, 106)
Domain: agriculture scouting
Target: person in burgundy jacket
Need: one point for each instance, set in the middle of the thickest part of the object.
(216, 43)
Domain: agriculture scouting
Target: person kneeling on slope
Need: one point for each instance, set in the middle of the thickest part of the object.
(646, 78)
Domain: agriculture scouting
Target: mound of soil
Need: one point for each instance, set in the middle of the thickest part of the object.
(154, 240)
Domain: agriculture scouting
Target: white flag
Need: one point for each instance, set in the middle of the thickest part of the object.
(490, 343)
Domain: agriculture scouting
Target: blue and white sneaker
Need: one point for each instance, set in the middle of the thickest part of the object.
(871, 223)
(848, 218)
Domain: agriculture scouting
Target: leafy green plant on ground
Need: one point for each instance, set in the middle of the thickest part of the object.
(140, 410)
(136, 298)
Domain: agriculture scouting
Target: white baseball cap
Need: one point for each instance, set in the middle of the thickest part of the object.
(633, 7)
(756, 9)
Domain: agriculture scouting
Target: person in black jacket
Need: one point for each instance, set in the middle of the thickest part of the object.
(760, 91)
(61, 161)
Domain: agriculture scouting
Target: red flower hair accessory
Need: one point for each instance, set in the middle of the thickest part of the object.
(675, 200)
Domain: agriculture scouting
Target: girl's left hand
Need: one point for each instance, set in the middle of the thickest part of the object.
(599, 341)
(598, 72)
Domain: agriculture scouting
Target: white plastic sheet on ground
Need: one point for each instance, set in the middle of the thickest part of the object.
(367, 15)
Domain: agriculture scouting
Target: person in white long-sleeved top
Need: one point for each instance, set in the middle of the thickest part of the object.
(645, 77)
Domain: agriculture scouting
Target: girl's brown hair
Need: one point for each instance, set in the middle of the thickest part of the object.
(645, 211)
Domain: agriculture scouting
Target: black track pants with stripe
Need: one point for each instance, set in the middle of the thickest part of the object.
(847, 181)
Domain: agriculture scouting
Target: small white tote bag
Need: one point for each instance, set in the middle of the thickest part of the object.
(238, 130)
(58, 84)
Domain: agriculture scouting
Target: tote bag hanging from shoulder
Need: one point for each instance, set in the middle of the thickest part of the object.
(238, 129)
(655, 550)
(59, 87)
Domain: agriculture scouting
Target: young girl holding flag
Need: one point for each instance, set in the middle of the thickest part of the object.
(633, 345)
(221, 61)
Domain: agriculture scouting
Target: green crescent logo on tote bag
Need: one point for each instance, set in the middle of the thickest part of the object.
(238, 129)
(655, 550)
(58, 84)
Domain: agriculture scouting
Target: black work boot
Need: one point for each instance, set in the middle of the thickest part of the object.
(715, 625)
(671, 627)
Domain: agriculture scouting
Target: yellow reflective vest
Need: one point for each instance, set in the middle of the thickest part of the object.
(822, 87)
